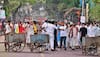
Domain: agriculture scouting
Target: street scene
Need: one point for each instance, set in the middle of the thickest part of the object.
(49, 28)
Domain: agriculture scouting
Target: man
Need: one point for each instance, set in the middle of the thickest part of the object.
(8, 31)
(78, 36)
(74, 33)
(55, 38)
(35, 27)
(83, 33)
(29, 32)
(91, 30)
(49, 28)
(63, 35)
(16, 27)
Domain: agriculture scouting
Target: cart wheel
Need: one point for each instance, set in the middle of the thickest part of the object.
(41, 48)
(31, 47)
(17, 46)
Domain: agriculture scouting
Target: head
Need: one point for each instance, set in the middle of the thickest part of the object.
(78, 23)
(83, 25)
(74, 25)
(91, 24)
(8, 22)
(34, 22)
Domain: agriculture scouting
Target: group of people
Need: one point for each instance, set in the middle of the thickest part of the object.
(61, 34)
(64, 35)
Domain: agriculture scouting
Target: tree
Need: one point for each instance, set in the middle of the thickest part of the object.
(61, 5)
(94, 13)
(11, 6)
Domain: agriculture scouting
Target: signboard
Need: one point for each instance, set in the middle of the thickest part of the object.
(2, 14)
(82, 20)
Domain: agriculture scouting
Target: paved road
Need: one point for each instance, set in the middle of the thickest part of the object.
(27, 53)
(59, 53)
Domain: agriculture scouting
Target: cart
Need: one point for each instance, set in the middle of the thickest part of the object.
(16, 42)
(39, 42)
(92, 46)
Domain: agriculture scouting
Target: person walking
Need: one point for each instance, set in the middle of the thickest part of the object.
(8, 31)
(63, 36)
(48, 28)
(83, 33)
(74, 33)
(29, 31)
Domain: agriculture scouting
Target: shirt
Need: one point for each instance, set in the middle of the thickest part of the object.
(16, 27)
(83, 31)
(30, 29)
(63, 31)
(35, 28)
(8, 28)
(49, 28)
(90, 31)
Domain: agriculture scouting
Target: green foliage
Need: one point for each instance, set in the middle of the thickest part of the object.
(94, 12)
(97, 1)
(11, 5)
(27, 1)
(59, 5)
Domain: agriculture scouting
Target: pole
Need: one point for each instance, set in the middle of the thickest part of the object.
(87, 10)
(82, 7)
(83, 19)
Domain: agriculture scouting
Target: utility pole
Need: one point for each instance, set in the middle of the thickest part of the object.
(87, 11)
(82, 7)
(83, 19)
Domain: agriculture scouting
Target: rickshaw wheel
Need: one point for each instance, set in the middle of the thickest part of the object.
(38, 47)
(33, 47)
(17, 46)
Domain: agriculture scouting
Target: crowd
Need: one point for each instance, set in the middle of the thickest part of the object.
(61, 34)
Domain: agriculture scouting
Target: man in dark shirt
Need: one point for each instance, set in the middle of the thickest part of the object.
(83, 33)
(83, 30)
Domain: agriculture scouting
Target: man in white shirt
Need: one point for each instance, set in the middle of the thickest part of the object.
(49, 28)
(74, 33)
(7, 32)
(91, 31)
(29, 31)
(16, 27)
(8, 28)
(63, 35)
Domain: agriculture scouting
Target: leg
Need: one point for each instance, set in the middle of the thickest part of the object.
(64, 42)
(6, 44)
(83, 45)
(73, 43)
(61, 42)
(52, 42)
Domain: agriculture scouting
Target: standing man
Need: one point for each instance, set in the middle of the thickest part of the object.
(48, 28)
(55, 37)
(29, 32)
(74, 33)
(63, 35)
(83, 33)
(8, 31)
(91, 30)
